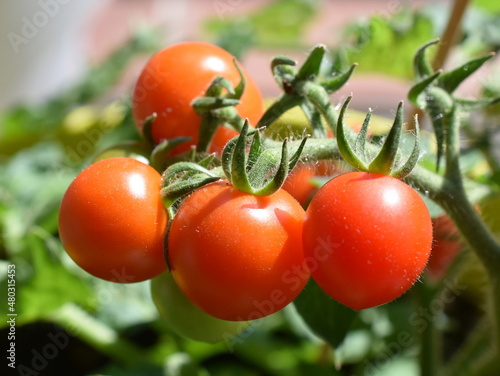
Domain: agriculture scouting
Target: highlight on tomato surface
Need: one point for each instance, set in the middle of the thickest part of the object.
(177, 75)
(112, 221)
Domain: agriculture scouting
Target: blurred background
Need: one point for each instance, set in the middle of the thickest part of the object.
(68, 68)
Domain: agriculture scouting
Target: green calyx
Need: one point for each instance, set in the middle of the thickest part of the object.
(252, 168)
(386, 161)
(216, 108)
(147, 130)
(434, 93)
(308, 87)
(182, 178)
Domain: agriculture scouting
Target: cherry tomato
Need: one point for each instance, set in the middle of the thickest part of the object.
(237, 256)
(368, 238)
(112, 221)
(175, 76)
(300, 182)
(187, 320)
(221, 137)
(445, 247)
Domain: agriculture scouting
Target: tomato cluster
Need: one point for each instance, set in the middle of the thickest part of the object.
(235, 256)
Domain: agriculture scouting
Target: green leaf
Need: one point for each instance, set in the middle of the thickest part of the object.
(326, 317)
(51, 285)
(492, 6)
(280, 23)
(387, 45)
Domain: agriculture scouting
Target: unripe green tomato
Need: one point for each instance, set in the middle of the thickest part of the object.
(187, 320)
(131, 149)
(294, 123)
(83, 128)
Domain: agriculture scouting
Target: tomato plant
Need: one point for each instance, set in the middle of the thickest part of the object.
(241, 250)
(112, 221)
(235, 255)
(174, 77)
(370, 235)
(187, 320)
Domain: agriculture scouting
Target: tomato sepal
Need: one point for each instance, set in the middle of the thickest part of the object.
(336, 82)
(252, 171)
(205, 104)
(385, 161)
(311, 67)
(147, 129)
(182, 178)
(161, 151)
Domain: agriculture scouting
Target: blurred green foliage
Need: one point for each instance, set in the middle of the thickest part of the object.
(118, 331)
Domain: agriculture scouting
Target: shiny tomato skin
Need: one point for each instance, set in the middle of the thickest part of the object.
(370, 235)
(175, 76)
(112, 221)
(237, 256)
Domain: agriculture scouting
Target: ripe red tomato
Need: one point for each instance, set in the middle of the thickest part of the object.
(370, 236)
(237, 256)
(445, 247)
(221, 137)
(174, 77)
(300, 181)
(112, 221)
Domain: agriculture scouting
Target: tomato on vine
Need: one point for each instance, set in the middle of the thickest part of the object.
(235, 255)
(177, 75)
(370, 234)
(112, 221)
